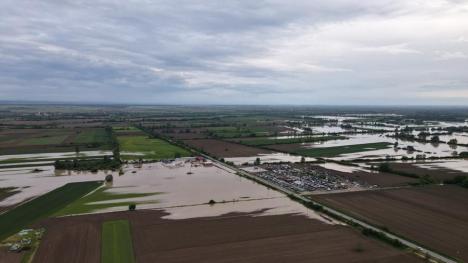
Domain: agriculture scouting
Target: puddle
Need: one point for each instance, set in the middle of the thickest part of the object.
(342, 168)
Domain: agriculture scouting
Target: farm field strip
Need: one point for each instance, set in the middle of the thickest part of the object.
(224, 149)
(272, 141)
(117, 244)
(21, 216)
(435, 217)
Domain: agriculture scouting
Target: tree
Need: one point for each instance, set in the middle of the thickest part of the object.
(453, 142)
(257, 161)
(435, 139)
(132, 207)
(423, 135)
(302, 159)
(410, 148)
(384, 167)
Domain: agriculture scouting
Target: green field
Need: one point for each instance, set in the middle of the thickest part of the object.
(87, 203)
(90, 136)
(117, 245)
(155, 149)
(338, 150)
(272, 141)
(43, 206)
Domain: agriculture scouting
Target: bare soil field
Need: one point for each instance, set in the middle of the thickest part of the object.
(228, 238)
(71, 240)
(438, 174)
(435, 216)
(225, 149)
(9, 257)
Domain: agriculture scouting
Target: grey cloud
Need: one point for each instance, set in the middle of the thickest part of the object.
(304, 52)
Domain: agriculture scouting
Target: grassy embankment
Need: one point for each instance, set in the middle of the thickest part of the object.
(43, 206)
(338, 150)
(117, 245)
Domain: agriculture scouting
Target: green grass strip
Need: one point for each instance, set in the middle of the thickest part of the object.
(89, 203)
(117, 244)
(155, 149)
(43, 206)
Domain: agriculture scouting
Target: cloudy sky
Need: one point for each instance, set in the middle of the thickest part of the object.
(235, 52)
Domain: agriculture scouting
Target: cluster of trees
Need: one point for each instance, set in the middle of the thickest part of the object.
(104, 163)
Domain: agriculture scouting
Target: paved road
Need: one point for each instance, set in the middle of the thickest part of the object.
(407, 243)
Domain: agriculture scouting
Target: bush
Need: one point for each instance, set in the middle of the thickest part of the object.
(384, 167)
(131, 207)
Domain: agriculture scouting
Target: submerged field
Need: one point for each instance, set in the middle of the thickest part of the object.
(100, 199)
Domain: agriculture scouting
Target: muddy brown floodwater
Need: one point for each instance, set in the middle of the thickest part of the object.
(184, 189)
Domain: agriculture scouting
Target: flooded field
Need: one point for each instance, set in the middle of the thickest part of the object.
(427, 149)
(180, 188)
(34, 181)
(342, 168)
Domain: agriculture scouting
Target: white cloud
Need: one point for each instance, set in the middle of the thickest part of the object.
(448, 55)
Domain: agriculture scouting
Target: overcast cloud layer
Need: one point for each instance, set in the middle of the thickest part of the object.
(235, 52)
